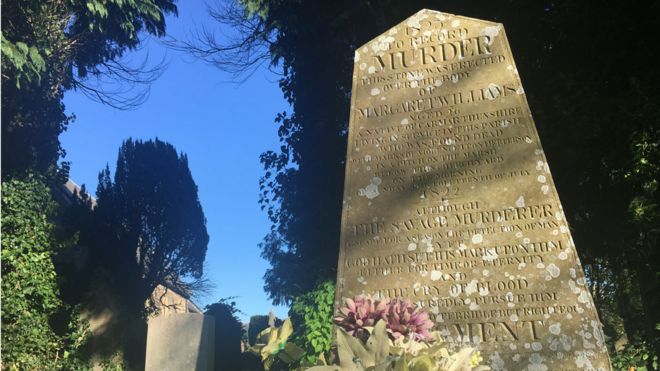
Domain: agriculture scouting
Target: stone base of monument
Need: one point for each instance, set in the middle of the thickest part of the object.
(180, 341)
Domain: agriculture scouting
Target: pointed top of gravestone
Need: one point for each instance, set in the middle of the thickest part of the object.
(417, 23)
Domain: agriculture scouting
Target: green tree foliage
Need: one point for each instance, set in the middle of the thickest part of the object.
(594, 100)
(607, 168)
(51, 46)
(635, 356)
(311, 316)
(150, 226)
(228, 334)
(30, 296)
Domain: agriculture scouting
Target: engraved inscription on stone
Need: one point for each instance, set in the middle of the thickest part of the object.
(449, 200)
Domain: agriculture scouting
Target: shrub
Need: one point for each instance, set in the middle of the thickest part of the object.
(637, 355)
(30, 296)
(228, 334)
(311, 315)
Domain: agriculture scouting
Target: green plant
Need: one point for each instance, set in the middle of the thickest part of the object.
(25, 60)
(30, 296)
(276, 352)
(311, 315)
(114, 362)
(635, 356)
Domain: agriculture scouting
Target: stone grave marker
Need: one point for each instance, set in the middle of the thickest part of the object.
(449, 200)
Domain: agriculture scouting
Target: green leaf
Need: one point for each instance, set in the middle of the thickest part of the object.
(378, 342)
(351, 349)
(22, 47)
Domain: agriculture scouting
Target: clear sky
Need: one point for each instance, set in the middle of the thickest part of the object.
(223, 127)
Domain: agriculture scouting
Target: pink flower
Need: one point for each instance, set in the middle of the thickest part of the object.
(401, 316)
(405, 319)
(359, 312)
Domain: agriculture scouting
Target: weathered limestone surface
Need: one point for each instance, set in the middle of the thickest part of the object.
(449, 200)
(180, 341)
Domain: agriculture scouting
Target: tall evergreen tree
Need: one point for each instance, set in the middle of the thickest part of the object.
(151, 226)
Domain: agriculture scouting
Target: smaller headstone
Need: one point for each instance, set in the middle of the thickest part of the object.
(182, 341)
(271, 319)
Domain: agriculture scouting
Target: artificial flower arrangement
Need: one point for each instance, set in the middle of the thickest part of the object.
(383, 335)
(375, 335)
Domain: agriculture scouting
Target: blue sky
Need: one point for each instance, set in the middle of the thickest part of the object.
(223, 127)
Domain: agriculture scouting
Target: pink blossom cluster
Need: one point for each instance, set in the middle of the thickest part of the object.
(401, 316)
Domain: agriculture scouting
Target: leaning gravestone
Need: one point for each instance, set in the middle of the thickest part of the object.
(449, 200)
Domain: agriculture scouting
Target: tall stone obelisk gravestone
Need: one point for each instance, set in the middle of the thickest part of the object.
(449, 200)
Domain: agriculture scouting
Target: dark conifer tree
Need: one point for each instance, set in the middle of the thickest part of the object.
(151, 226)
